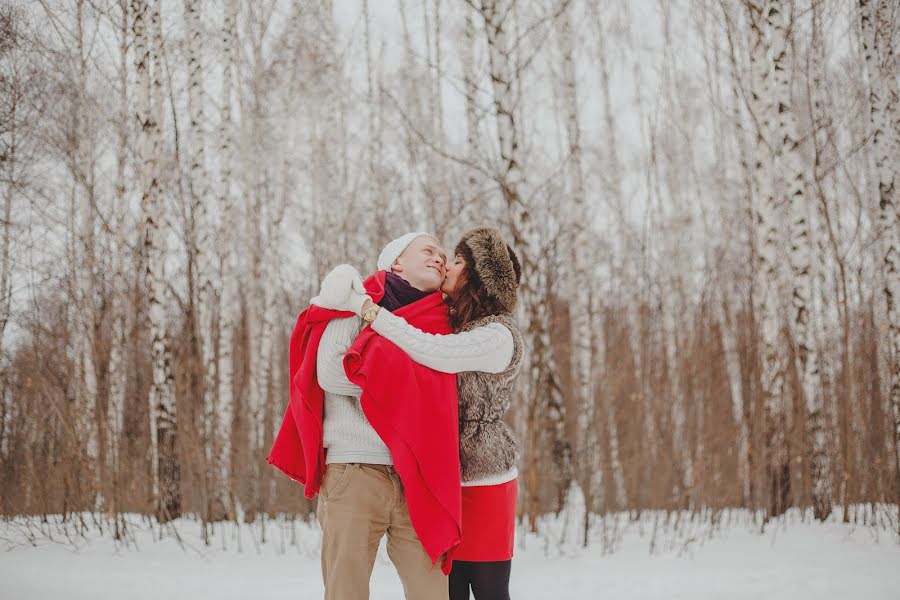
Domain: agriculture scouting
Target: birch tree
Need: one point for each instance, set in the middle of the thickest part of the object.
(84, 199)
(328, 158)
(545, 399)
(12, 93)
(884, 107)
(673, 303)
(115, 412)
(792, 192)
(375, 186)
(229, 307)
(828, 322)
(165, 469)
(202, 228)
(475, 205)
(254, 191)
(580, 251)
(831, 281)
(12, 90)
(749, 170)
(766, 275)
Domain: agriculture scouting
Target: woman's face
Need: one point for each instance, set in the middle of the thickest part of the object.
(455, 272)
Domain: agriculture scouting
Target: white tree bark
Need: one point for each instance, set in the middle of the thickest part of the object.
(163, 423)
(329, 205)
(115, 412)
(792, 192)
(827, 316)
(542, 388)
(728, 331)
(748, 171)
(439, 208)
(630, 271)
(474, 208)
(256, 179)
(83, 171)
(679, 415)
(884, 107)
(766, 277)
(580, 254)
(272, 291)
(229, 305)
(470, 84)
(9, 179)
(374, 188)
(204, 241)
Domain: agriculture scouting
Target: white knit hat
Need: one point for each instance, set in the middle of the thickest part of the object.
(395, 249)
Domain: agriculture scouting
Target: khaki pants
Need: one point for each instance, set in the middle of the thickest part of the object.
(358, 504)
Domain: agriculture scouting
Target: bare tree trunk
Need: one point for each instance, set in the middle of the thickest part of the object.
(792, 192)
(330, 209)
(728, 331)
(543, 393)
(375, 186)
(680, 445)
(203, 237)
(766, 273)
(9, 179)
(884, 106)
(437, 198)
(229, 308)
(744, 155)
(163, 424)
(474, 209)
(118, 379)
(84, 343)
(829, 317)
(582, 261)
(255, 191)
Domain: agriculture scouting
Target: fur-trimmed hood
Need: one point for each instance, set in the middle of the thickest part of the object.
(496, 265)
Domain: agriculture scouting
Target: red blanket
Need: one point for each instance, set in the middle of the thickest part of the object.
(412, 408)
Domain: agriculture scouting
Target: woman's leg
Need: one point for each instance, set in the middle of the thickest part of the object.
(459, 580)
(489, 580)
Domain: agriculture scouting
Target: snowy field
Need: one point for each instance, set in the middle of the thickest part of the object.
(794, 559)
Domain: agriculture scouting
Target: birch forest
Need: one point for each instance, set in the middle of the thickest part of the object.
(704, 196)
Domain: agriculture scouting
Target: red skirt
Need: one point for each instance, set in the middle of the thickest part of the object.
(488, 522)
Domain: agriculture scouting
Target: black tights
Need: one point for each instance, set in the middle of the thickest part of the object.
(488, 580)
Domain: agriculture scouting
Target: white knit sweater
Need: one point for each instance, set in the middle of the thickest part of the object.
(347, 434)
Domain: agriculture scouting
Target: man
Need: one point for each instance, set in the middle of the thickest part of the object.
(363, 494)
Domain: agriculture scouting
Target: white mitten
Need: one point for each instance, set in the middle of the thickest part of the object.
(342, 289)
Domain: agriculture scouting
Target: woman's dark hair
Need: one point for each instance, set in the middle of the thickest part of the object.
(471, 301)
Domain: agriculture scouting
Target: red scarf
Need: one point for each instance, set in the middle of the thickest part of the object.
(411, 407)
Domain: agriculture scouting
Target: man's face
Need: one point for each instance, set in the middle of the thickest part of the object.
(422, 264)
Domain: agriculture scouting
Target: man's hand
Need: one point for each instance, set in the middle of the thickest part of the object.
(342, 289)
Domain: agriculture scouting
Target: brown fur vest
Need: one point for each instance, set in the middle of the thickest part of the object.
(487, 446)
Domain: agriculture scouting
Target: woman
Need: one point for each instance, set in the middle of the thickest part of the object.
(486, 354)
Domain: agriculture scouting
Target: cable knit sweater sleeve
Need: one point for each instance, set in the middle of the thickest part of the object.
(488, 348)
(338, 335)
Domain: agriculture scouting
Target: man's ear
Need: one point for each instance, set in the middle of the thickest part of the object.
(396, 267)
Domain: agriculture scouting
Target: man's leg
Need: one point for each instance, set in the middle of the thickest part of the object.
(352, 510)
(421, 580)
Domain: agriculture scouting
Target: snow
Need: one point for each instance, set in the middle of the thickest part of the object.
(793, 559)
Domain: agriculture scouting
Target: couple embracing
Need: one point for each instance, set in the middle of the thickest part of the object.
(398, 388)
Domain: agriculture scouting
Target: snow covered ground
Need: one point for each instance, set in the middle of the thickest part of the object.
(792, 560)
